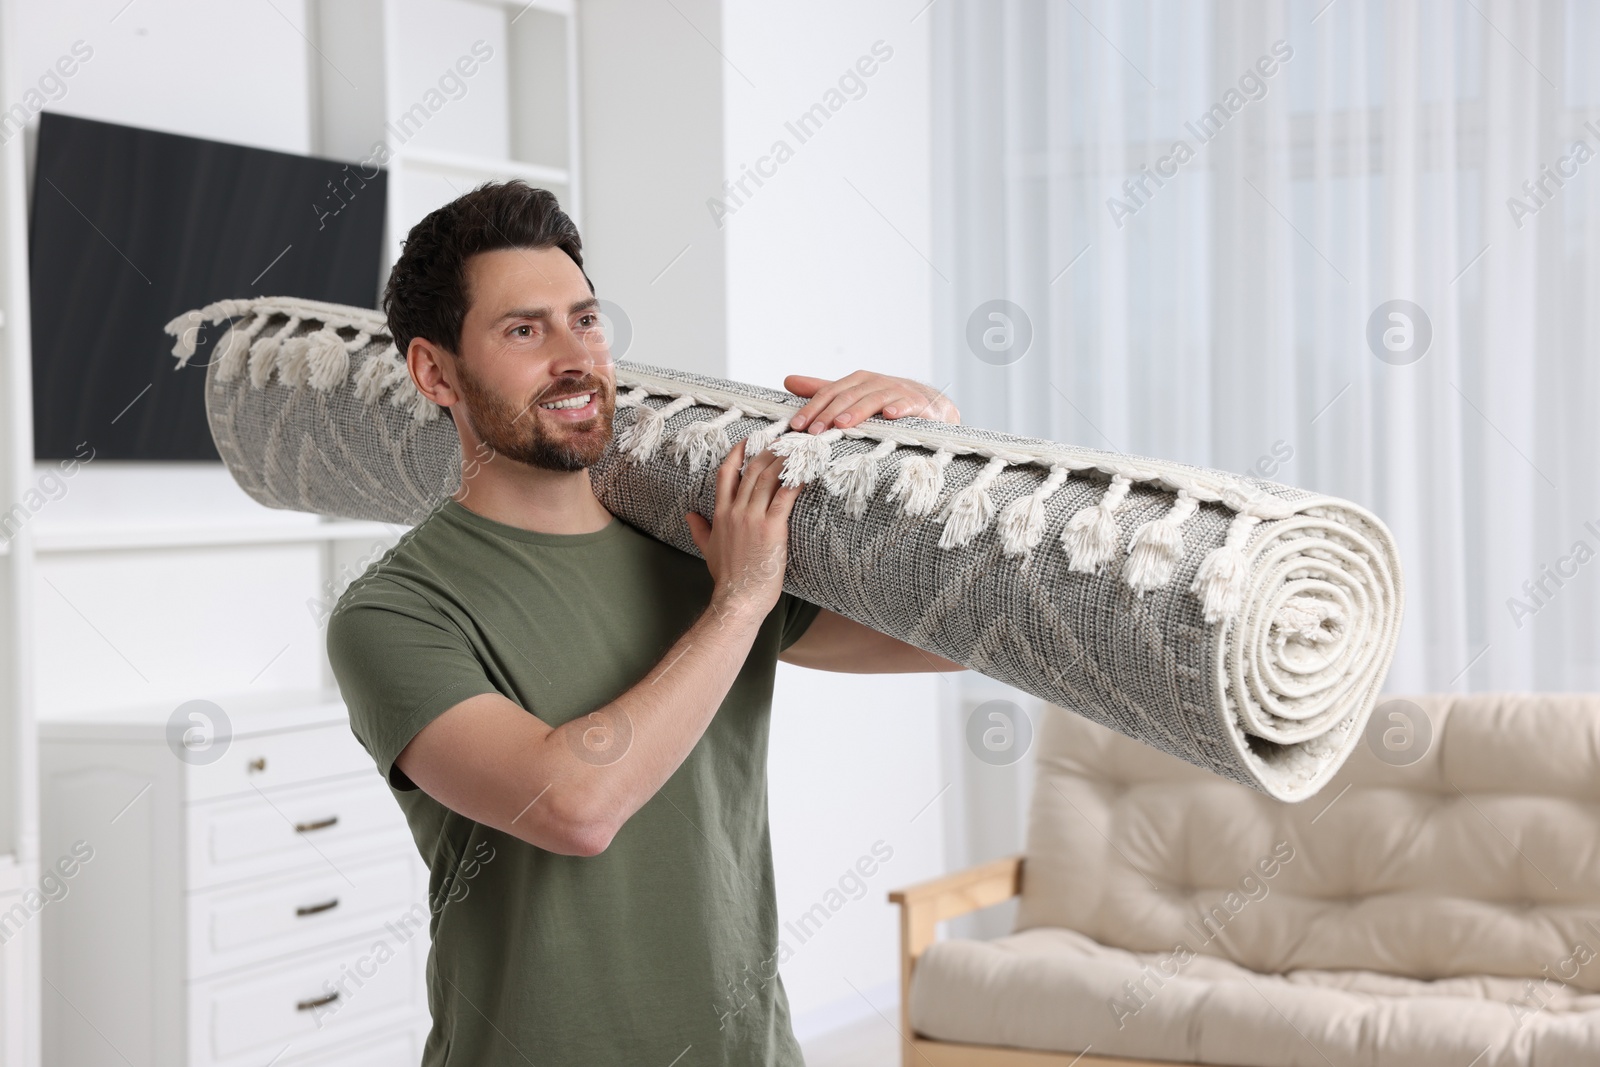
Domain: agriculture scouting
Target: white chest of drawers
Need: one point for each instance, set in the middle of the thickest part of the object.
(266, 906)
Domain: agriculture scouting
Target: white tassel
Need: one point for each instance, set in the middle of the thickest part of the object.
(807, 455)
(854, 477)
(263, 358)
(1022, 521)
(406, 396)
(186, 328)
(920, 481)
(632, 398)
(968, 513)
(1090, 537)
(294, 363)
(640, 439)
(377, 374)
(1221, 578)
(233, 350)
(264, 352)
(226, 309)
(327, 360)
(1156, 547)
(357, 343)
(405, 393)
(700, 442)
(761, 438)
(423, 410)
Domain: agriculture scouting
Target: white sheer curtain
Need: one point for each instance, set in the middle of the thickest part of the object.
(1221, 315)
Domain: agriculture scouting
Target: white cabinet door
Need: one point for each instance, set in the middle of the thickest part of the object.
(268, 761)
(316, 827)
(303, 1007)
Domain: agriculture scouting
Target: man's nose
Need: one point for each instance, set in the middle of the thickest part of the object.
(575, 357)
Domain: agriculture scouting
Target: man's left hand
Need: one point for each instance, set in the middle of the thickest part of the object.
(860, 396)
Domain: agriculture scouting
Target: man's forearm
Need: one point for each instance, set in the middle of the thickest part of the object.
(603, 767)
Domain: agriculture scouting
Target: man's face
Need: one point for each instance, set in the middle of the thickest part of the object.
(531, 337)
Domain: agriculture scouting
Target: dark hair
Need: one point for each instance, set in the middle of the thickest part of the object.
(426, 295)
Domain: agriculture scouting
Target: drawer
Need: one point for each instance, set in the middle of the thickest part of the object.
(232, 928)
(303, 1008)
(395, 1050)
(293, 757)
(317, 827)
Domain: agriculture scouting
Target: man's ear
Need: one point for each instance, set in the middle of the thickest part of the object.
(426, 362)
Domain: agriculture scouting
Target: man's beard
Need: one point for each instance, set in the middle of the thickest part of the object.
(518, 432)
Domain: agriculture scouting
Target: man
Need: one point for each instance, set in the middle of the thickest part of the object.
(574, 716)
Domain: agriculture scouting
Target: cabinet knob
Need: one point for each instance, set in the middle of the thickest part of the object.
(316, 824)
(257, 765)
(316, 909)
(316, 1002)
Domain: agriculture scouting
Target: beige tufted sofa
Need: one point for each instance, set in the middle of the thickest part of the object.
(1445, 913)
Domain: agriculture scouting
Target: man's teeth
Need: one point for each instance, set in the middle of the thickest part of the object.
(569, 402)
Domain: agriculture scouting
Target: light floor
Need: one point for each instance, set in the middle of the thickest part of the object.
(868, 1043)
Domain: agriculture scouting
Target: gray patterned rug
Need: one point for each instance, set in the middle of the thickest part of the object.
(1239, 624)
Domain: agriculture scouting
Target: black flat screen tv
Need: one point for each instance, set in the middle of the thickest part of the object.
(133, 227)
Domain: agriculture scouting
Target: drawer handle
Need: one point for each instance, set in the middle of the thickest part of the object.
(313, 1005)
(319, 824)
(257, 765)
(316, 909)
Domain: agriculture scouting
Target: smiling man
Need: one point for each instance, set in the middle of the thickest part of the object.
(572, 715)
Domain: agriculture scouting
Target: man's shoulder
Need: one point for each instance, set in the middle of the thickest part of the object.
(387, 577)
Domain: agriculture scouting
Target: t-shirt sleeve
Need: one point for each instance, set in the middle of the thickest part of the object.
(400, 664)
(798, 615)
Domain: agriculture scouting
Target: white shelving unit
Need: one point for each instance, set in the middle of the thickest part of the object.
(86, 538)
(372, 63)
(516, 116)
(19, 759)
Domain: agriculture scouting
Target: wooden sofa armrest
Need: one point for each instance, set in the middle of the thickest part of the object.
(925, 905)
(922, 908)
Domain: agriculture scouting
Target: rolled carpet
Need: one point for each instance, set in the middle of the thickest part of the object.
(1239, 624)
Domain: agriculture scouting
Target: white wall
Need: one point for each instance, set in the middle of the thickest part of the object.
(652, 143)
(228, 71)
(826, 276)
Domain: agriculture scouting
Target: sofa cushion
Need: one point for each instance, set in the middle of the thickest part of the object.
(1059, 990)
(1482, 857)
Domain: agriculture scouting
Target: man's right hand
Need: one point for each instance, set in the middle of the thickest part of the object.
(747, 547)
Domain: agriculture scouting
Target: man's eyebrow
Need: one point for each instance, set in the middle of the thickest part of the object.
(525, 313)
(544, 312)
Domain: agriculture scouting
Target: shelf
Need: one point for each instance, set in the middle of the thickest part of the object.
(554, 7)
(158, 538)
(249, 714)
(485, 165)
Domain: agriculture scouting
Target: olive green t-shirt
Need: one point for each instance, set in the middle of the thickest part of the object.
(662, 949)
